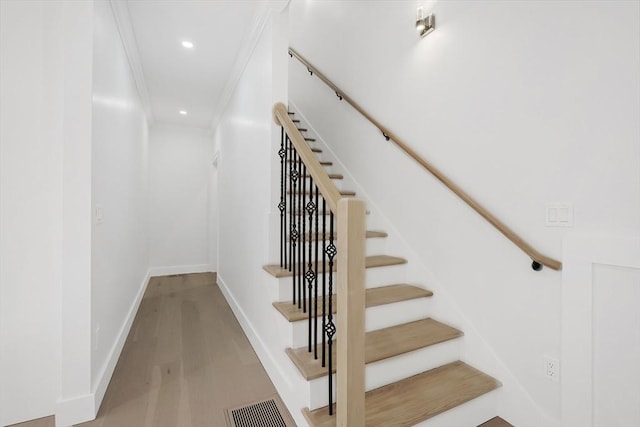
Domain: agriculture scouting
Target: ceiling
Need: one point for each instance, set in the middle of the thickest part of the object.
(172, 77)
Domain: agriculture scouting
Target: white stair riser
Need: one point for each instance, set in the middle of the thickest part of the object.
(378, 317)
(327, 168)
(374, 277)
(337, 182)
(391, 370)
(384, 276)
(373, 246)
(386, 315)
(471, 413)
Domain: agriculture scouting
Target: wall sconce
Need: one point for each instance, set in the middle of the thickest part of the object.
(425, 24)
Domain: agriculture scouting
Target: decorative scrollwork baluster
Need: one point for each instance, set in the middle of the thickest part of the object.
(305, 239)
(302, 237)
(310, 275)
(324, 283)
(293, 174)
(315, 315)
(330, 327)
(282, 205)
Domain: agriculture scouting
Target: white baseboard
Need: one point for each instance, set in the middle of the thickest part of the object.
(75, 411)
(85, 408)
(114, 355)
(180, 269)
(280, 379)
(258, 345)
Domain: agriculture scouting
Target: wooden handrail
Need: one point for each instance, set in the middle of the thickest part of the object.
(538, 258)
(320, 177)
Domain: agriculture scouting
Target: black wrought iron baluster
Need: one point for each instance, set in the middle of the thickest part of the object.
(282, 205)
(315, 314)
(324, 282)
(301, 297)
(331, 327)
(310, 275)
(305, 241)
(293, 174)
(287, 248)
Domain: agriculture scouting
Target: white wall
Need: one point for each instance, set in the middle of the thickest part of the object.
(120, 247)
(30, 208)
(248, 140)
(180, 181)
(72, 130)
(244, 140)
(520, 103)
(616, 391)
(75, 402)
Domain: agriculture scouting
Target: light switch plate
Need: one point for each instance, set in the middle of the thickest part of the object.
(99, 215)
(559, 215)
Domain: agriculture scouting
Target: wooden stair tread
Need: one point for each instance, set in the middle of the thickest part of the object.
(381, 344)
(315, 150)
(322, 162)
(496, 422)
(305, 213)
(369, 235)
(373, 297)
(417, 398)
(373, 234)
(372, 261)
(331, 175)
(342, 192)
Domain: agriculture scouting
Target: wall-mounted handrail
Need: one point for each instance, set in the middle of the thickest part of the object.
(538, 259)
(326, 186)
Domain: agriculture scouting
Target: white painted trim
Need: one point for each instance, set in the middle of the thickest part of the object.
(260, 18)
(122, 17)
(580, 253)
(261, 349)
(282, 381)
(75, 411)
(105, 375)
(180, 269)
(85, 408)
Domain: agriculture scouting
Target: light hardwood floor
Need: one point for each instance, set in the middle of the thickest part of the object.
(185, 360)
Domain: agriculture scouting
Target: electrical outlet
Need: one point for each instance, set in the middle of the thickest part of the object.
(552, 368)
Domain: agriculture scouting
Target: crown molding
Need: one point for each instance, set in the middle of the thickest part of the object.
(259, 20)
(120, 9)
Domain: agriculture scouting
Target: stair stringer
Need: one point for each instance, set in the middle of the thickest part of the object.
(513, 400)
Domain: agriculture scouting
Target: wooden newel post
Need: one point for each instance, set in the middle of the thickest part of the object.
(351, 299)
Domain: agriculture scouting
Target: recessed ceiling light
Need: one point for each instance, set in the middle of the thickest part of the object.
(184, 113)
(187, 44)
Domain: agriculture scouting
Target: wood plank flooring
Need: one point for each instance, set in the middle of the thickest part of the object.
(185, 360)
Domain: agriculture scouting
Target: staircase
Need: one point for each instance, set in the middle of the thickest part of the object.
(413, 372)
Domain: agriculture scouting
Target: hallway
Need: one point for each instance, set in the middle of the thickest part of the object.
(186, 359)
